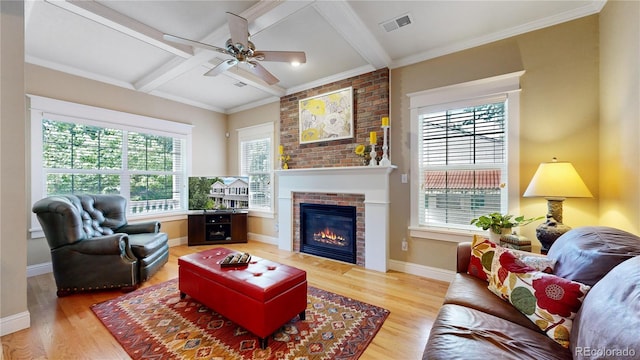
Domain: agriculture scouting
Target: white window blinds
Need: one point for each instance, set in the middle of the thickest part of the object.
(256, 162)
(462, 162)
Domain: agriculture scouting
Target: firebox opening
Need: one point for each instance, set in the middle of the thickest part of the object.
(328, 231)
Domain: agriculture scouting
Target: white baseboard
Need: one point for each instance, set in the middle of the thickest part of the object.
(178, 241)
(13, 323)
(39, 269)
(422, 270)
(263, 238)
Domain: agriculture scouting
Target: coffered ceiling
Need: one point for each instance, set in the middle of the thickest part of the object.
(121, 42)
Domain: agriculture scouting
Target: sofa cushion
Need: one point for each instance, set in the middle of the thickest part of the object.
(587, 253)
(547, 300)
(145, 244)
(464, 333)
(608, 322)
(469, 291)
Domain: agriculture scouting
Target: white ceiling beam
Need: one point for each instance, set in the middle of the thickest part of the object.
(349, 25)
(268, 13)
(260, 16)
(122, 23)
(168, 71)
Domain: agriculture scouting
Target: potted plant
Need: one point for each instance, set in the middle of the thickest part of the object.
(499, 224)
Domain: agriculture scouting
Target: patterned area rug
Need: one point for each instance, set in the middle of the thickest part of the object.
(155, 323)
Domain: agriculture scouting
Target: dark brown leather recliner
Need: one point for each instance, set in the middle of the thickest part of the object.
(92, 245)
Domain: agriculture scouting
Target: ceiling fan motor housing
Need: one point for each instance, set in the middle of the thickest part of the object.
(242, 51)
(239, 51)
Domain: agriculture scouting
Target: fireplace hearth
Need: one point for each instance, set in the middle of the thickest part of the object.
(328, 231)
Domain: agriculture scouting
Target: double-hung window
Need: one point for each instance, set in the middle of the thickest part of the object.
(461, 152)
(256, 162)
(461, 161)
(79, 149)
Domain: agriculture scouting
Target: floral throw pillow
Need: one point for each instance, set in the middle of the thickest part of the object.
(482, 251)
(551, 302)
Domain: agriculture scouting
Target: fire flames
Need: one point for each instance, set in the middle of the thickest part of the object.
(327, 236)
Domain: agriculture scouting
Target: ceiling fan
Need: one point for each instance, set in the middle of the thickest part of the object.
(242, 50)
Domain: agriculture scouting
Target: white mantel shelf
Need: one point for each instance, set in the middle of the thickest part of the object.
(338, 170)
(371, 181)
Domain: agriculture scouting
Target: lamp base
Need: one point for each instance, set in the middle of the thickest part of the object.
(549, 231)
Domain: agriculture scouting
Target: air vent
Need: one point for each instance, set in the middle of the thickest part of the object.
(396, 23)
(240, 84)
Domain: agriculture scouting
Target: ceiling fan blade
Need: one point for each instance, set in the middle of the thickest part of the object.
(222, 67)
(179, 40)
(260, 71)
(284, 56)
(239, 28)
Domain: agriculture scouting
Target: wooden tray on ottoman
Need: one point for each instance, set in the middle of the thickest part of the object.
(236, 260)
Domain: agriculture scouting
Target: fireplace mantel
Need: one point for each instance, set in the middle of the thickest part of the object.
(371, 181)
(337, 170)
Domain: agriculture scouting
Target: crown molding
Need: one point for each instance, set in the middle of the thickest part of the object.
(593, 7)
(76, 72)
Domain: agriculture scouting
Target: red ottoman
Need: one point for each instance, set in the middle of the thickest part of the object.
(260, 297)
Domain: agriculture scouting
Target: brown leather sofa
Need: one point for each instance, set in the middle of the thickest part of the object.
(473, 323)
(92, 245)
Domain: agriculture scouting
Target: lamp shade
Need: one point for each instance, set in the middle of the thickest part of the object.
(557, 179)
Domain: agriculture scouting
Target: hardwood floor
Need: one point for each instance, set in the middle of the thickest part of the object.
(66, 328)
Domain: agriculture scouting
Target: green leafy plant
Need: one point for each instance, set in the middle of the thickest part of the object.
(497, 221)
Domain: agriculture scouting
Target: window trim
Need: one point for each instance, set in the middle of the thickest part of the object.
(59, 110)
(255, 132)
(507, 85)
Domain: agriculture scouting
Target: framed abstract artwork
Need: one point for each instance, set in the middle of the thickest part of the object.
(326, 117)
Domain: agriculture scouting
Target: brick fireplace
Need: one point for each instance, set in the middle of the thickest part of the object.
(356, 201)
(367, 187)
(330, 171)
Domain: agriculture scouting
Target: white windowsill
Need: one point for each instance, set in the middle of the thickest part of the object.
(442, 234)
(160, 217)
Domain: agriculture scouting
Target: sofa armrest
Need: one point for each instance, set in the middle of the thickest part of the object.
(142, 227)
(115, 244)
(463, 257)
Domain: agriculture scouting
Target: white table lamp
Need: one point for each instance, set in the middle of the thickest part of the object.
(555, 181)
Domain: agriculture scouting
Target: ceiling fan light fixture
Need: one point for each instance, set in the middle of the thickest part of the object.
(242, 50)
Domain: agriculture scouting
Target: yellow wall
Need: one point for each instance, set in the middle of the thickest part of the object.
(619, 155)
(176, 229)
(13, 182)
(559, 112)
(558, 115)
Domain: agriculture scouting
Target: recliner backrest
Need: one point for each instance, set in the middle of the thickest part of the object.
(66, 219)
(102, 214)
